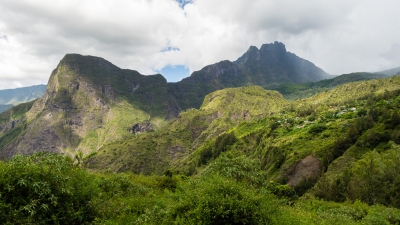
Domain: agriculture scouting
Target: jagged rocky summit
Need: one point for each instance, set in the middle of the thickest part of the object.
(267, 67)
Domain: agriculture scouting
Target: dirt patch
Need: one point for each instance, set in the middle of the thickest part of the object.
(175, 151)
(309, 167)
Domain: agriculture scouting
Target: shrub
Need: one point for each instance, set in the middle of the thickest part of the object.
(304, 185)
(241, 169)
(221, 144)
(318, 128)
(375, 180)
(282, 190)
(218, 200)
(205, 155)
(168, 181)
(45, 188)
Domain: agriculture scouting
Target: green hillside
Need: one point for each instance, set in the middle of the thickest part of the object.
(320, 147)
(157, 151)
(247, 156)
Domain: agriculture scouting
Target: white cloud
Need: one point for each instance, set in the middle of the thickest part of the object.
(339, 36)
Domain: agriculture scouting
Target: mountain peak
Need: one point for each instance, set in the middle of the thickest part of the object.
(276, 46)
(274, 51)
(90, 102)
(252, 48)
(79, 62)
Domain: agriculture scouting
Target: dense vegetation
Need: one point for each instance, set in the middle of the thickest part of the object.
(246, 156)
(353, 132)
(158, 151)
(47, 188)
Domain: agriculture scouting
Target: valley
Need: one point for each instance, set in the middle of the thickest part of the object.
(245, 142)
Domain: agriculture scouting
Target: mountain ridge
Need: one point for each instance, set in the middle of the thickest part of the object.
(246, 155)
(266, 67)
(90, 102)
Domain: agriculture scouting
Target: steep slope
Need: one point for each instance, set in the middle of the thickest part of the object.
(341, 145)
(157, 151)
(328, 144)
(273, 64)
(89, 102)
(266, 67)
(259, 124)
(13, 122)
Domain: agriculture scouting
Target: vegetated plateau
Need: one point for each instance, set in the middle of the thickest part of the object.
(247, 155)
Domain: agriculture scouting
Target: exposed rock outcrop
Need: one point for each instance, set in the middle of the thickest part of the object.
(267, 67)
(308, 168)
(85, 106)
(141, 128)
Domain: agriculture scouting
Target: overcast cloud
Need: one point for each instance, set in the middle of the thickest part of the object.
(339, 36)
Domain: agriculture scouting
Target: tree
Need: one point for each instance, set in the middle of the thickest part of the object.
(395, 119)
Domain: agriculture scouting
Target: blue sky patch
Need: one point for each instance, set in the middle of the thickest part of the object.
(182, 3)
(174, 73)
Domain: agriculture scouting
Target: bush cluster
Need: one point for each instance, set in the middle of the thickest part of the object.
(45, 189)
(221, 144)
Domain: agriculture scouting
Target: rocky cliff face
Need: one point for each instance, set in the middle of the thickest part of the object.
(267, 67)
(88, 103)
(272, 63)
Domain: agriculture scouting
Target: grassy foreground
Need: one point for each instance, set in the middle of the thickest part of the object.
(48, 188)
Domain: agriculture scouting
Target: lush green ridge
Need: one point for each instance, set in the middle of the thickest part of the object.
(349, 134)
(157, 151)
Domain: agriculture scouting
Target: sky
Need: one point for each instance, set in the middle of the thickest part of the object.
(177, 37)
